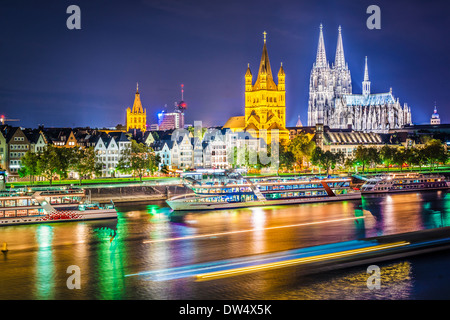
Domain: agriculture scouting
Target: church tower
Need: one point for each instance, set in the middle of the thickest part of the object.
(321, 87)
(435, 117)
(137, 117)
(342, 77)
(265, 101)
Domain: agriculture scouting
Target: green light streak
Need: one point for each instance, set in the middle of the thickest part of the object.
(45, 271)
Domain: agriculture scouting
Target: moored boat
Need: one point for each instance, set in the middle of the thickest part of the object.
(390, 183)
(50, 205)
(235, 191)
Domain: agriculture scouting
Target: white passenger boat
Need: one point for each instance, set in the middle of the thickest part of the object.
(238, 192)
(390, 183)
(50, 205)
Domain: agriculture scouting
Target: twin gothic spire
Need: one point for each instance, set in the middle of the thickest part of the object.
(339, 60)
(321, 58)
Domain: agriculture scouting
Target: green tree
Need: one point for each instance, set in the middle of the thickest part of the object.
(287, 159)
(387, 156)
(362, 157)
(137, 160)
(410, 157)
(245, 157)
(417, 157)
(48, 163)
(399, 157)
(64, 158)
(302, 148)
(84, 162)
(349, 163)
(435, 152)
(325, 160)
(29, 166)
(374, 157)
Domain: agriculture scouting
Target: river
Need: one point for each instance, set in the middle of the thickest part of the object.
(115, 257)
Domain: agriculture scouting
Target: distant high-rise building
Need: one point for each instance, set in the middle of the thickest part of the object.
(137, 117)
(170, 120)
(173, 120)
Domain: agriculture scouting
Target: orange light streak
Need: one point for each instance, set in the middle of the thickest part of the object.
(249, 230)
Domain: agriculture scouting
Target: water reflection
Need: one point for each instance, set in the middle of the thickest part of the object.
(360, 225)
(45, 267)
(109, 264)
(396, 284)
(405, 212)
(108, 250)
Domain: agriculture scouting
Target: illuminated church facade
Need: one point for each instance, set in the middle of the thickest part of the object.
(265, 102)
(137, 117)
(332, 103)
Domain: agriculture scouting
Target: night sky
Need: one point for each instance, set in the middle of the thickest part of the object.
(57, 77)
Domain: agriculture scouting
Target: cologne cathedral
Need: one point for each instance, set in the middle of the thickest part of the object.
(332, 103)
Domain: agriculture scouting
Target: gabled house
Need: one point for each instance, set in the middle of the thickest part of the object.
(109, 149)
(60, 137)
(164, 150)
(37, 139)
(186, 153)
(17, 145)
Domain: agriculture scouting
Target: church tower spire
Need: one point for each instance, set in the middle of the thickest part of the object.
(137, 105)
(265, 101)
(264, 79)
(137, 116)
(366, 82)
(321, 58)
(339, 61)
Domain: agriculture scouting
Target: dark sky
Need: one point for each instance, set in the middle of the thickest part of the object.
(59, 77)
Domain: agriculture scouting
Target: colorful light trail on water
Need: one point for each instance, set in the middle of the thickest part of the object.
(210, 235)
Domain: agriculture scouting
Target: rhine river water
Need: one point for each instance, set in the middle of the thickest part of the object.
(115, 257)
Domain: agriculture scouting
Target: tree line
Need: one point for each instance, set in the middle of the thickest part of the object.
(56, 162)
(302, 151)
(431, 154)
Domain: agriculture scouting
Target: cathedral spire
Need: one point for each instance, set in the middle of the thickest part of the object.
(321, 58)
(339, 61)
(366, 82)
(366, 72)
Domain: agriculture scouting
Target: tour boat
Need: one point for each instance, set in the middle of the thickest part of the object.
(238, 192)
(50, 205)
(404, 182)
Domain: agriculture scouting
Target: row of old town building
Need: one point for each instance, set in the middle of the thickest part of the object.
(183, 149)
